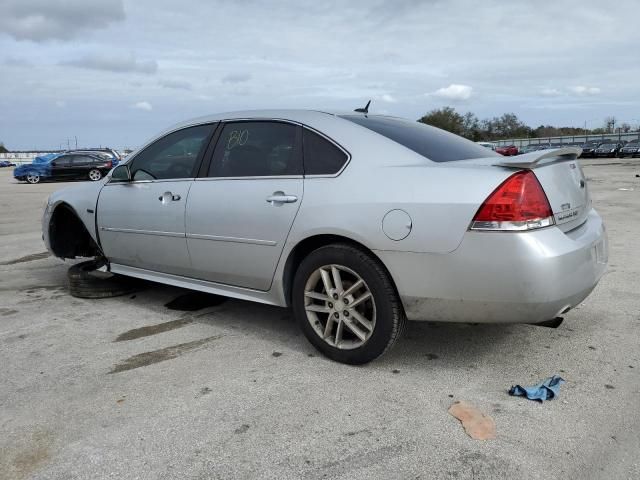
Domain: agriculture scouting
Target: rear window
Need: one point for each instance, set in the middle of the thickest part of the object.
(430, 142)
(320, 156)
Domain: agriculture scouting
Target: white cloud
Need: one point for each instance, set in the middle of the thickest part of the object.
(175, 84)
(16, 62)
(584, 90)
(236, 78)
(41, 20)
(550, 92)
(146, 106)
(61, 103)
(454, 92)
(114, 62)
(388, 98)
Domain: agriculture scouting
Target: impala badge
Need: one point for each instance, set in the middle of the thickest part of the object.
(565, 206)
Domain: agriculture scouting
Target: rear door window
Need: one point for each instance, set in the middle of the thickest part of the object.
(321, 157)
(433, 143)
(256, 149)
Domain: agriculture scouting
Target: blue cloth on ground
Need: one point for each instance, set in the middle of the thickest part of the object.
(547, 390)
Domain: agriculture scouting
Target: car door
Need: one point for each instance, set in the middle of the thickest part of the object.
(80, 165)
(239, 215)
(61, 167)
(141, 222)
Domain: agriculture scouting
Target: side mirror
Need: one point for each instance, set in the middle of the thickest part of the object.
(121, 174)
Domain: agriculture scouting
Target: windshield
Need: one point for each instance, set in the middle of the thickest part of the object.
(430, 142)
(608, 145)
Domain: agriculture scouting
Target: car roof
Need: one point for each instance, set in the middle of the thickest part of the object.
(306, 117)
(296, 115)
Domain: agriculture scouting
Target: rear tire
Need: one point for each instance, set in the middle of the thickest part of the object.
(370, 327)
(85, 281)
(95, 175)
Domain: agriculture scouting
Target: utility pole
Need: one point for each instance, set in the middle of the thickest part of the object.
(76, 137)
(68, 148)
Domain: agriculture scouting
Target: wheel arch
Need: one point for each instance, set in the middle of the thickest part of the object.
(68, 235)
(308, 245)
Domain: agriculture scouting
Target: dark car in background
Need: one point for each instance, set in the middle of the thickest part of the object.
(631, 149)
(6, 163)
(507, 150)
(589, 148)
(64, 166)
(608, 149)
(106, 153)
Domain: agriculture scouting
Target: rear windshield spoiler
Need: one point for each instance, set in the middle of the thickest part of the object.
(534, 159)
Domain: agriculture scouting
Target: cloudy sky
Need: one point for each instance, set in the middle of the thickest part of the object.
(114, 72)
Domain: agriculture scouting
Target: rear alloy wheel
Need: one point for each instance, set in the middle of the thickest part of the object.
(33, 178)
(346, 305)
(95, 175)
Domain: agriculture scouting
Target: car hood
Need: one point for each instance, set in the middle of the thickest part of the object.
(40, 168)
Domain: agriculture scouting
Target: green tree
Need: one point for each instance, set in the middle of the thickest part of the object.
(445, 118)
(509, 126)
(471, 127)
(3, 148)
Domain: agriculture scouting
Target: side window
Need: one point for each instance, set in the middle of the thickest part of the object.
(63, 161)
(321, 157)
(173, 156)
(256, 149)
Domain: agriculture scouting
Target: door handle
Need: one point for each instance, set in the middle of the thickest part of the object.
(280, 197)
(167, 197)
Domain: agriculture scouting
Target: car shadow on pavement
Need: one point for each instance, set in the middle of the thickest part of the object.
(459, 344)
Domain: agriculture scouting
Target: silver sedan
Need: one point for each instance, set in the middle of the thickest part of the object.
(358, 222)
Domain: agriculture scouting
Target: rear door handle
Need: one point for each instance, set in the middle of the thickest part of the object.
(280, 197)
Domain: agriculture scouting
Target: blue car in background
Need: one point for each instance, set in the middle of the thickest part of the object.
(65, 166)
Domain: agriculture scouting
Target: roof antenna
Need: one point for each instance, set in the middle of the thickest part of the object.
(364, 110)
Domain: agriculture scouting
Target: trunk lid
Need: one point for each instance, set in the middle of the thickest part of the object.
(563, 181)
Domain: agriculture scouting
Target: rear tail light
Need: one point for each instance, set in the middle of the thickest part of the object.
(107, 164)
(518, 204)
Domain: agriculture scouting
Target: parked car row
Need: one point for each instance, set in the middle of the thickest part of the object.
(505, 150)
(631, 149)
(590, 149)
(73, 165)
(6, 163)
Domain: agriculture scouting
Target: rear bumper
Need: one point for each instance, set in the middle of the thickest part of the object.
(503, 277)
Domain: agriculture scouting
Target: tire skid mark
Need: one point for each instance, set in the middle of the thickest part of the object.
(27, 258)
(157, 356)
(149, 330)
